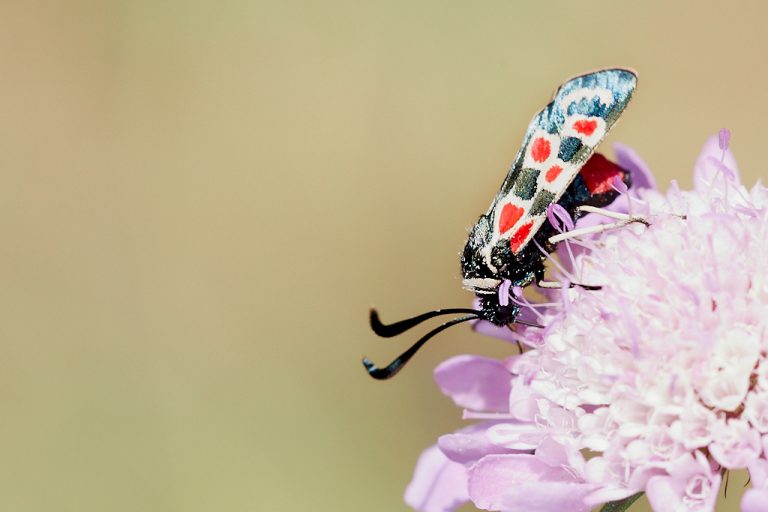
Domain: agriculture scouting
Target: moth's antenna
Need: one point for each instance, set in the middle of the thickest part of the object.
(390, 330)
(396, 365)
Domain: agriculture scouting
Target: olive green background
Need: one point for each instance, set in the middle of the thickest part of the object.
(200, 201)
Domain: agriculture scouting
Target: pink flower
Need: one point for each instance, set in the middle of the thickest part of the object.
(662, 373)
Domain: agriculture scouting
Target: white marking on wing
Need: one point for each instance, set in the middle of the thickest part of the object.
(606, 96)
(588, 140)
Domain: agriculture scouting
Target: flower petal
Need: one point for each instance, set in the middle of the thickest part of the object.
(706, 171)
(734, 444)
(547, 497)
(474, 382)
(469, 445)
(438, 484)
(758, 472)
(663, 494)
(668, 494)
(494, 476)
(754, 500)
(626, 157)
(554, 454)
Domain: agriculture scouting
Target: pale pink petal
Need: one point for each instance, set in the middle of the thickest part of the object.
(553, 453)
(474, 382)
(662, 494)
(547, 497)
(758, 472)
(495, 475)
(626, 157)
(469, 445)
(640, 477)
(438, 484)
(707, 170)
(669, 494)
(755, 500)
(735, 444)
(522, 400)
(516, 435)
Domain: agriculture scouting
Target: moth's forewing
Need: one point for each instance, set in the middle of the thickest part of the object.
(559, 141)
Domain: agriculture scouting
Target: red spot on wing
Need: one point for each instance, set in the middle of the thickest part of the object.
(520, 236)
(540, 149)
(599, 174)
(553, 173)
(585, 126)
(510, 214)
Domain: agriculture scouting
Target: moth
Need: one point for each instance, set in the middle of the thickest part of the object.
(556, 164)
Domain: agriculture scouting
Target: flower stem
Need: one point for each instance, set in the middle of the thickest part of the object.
(621, 505)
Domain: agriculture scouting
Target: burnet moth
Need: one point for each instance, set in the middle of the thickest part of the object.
(556, 164)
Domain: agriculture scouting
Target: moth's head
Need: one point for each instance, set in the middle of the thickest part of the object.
(496, 313)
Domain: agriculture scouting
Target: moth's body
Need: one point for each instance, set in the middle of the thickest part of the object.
(555, 165)
(527, 265)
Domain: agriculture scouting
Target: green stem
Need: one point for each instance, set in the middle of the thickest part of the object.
(621, 505)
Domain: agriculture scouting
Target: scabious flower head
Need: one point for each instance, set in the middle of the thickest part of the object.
(655, 383)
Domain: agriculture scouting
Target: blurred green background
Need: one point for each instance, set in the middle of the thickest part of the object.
(201, 200)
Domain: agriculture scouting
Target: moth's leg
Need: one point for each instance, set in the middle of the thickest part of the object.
(620, 216)
(557, 285)
(602, 211)
(614, 215)
(575, 233)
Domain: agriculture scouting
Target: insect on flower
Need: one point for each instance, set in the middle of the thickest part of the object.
(556, 167)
